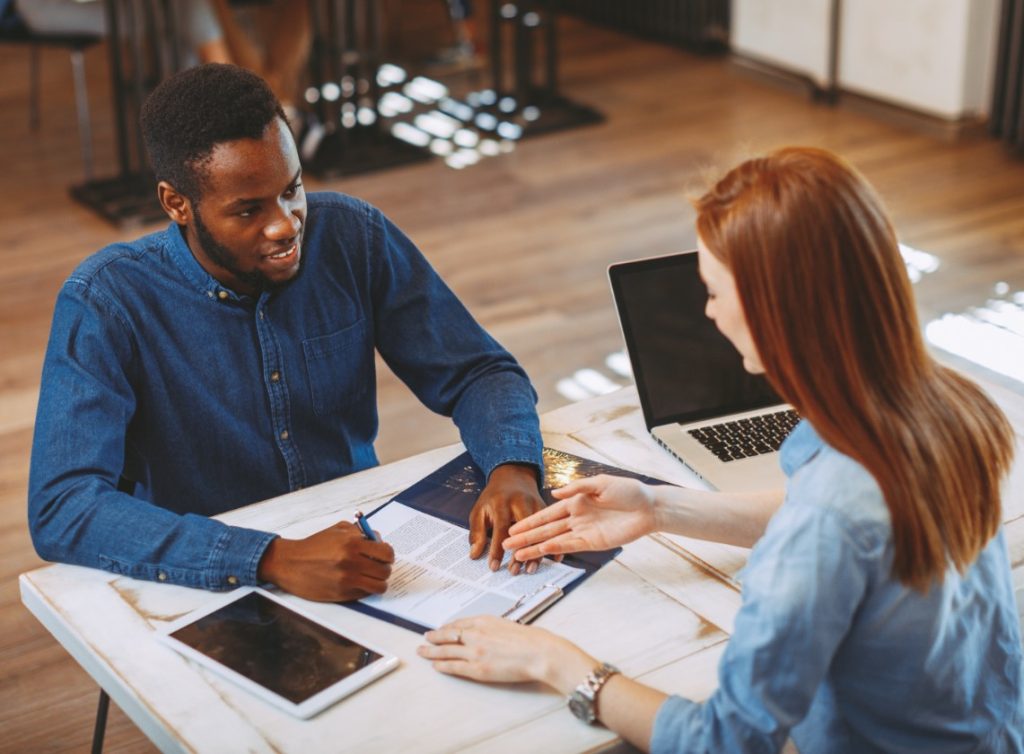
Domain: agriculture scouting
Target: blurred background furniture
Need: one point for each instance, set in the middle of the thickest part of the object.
(12, 32)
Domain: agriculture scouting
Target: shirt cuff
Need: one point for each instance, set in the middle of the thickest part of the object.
(676, 725)
(237, 557)
(524, 458)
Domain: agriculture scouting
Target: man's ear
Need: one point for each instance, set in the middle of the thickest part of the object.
(175, 204)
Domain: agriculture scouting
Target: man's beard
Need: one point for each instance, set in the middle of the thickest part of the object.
(226, 259)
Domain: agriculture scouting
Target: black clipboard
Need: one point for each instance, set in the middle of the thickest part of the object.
(450, 492)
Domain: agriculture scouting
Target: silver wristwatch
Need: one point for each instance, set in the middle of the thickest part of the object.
(583, 700)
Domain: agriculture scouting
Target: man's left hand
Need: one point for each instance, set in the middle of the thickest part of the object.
(511, 495)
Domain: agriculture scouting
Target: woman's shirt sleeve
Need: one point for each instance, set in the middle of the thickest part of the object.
(801, 588)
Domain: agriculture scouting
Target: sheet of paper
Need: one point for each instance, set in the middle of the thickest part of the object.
(434, 581)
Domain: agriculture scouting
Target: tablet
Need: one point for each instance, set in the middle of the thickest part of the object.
(276, 651)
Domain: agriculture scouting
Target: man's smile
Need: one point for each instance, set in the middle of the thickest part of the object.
(284, 253)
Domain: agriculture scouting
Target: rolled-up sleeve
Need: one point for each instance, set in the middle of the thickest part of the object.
(801, 588)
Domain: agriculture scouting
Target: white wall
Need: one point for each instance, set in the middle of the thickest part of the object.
(936, 56)
(790, 34)
(931, 55)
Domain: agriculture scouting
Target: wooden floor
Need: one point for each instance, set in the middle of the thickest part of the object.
(524, 239)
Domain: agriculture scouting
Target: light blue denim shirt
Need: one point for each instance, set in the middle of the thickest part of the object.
(208, 400)
(830, 649)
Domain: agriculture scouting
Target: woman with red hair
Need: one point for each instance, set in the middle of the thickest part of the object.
(878, 610)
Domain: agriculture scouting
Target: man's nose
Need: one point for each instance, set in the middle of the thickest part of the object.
(285, 226)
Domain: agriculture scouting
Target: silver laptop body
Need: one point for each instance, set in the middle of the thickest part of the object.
(690, 378)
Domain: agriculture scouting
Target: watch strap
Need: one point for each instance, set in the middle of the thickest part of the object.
(583, 701)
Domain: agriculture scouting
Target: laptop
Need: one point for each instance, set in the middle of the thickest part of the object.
(698, 401)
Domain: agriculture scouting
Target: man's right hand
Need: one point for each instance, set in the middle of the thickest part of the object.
(333, 565)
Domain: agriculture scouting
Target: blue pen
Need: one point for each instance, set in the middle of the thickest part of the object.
(365, 526)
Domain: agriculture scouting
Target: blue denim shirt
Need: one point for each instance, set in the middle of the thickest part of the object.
(828, 648)
(209, 400)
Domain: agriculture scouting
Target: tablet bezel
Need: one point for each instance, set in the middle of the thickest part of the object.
(311, 706)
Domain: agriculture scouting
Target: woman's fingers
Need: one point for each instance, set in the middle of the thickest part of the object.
(558, 546)
(543, 516)
(536, 534)
(592, 485)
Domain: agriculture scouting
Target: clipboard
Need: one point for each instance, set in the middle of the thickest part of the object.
(450, 492)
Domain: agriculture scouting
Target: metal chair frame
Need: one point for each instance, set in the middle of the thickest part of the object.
(76, 44)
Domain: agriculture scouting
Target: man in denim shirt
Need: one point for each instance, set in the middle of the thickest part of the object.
(230, 358)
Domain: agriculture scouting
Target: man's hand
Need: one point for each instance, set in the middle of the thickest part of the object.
(333, 565)
(511, 495)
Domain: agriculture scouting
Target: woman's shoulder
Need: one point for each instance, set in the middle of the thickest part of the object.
(833, 485)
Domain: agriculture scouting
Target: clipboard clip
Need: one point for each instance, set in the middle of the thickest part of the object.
(532, 604)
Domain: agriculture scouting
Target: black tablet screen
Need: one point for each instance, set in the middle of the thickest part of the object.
(277, 648)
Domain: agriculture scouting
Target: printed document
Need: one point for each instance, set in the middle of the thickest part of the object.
(434, 581)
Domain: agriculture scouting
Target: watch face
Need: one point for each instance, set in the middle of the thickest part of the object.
(581, 707)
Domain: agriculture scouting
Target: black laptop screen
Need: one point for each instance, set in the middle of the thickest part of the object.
(685, 369)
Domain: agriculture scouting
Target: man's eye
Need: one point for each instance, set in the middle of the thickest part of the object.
(292, 190)
(247, 212)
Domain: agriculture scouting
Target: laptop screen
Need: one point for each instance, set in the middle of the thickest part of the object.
(685, 369)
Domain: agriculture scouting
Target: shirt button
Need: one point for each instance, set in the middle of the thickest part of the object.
(233, 580)
(284, 434)
(261, 314)
(222, 295)
(275, 376)
(162, 576)
(210, 294)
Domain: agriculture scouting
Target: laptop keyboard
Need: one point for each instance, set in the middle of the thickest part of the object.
(744, 438)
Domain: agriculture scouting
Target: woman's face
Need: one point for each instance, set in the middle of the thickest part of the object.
(724, 307)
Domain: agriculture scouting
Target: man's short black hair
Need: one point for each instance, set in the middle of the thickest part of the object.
(191, 112)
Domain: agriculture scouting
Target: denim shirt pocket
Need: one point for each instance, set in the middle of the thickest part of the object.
(339, 367)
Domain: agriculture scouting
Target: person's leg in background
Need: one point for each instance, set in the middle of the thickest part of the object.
(241, 47)
(288, 38)
(465, 52)
(466, 37)
(201, 33)
(281, 47)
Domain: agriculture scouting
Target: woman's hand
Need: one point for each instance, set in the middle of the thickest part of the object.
(597, 513)
(492, 649)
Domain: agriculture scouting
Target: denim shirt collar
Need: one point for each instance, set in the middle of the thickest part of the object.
(800, 447)
(194, 272)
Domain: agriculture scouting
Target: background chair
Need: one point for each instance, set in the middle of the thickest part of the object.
(76, 44)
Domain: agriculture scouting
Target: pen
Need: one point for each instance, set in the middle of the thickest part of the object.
(365, 526)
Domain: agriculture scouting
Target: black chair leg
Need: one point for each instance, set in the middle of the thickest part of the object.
(101, 723)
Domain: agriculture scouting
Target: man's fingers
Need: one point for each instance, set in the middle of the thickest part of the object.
(382, 552)
(374, 569)
(497, 552)
(365, 584)
(477, 532)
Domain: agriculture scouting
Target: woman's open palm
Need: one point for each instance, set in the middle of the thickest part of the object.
(597, 513)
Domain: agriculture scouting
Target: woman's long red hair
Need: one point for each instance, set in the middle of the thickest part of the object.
(831, 311)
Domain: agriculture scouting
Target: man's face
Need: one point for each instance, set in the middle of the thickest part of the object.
(246, 228)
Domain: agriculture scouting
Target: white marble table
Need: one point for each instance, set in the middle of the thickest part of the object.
(662, 612)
